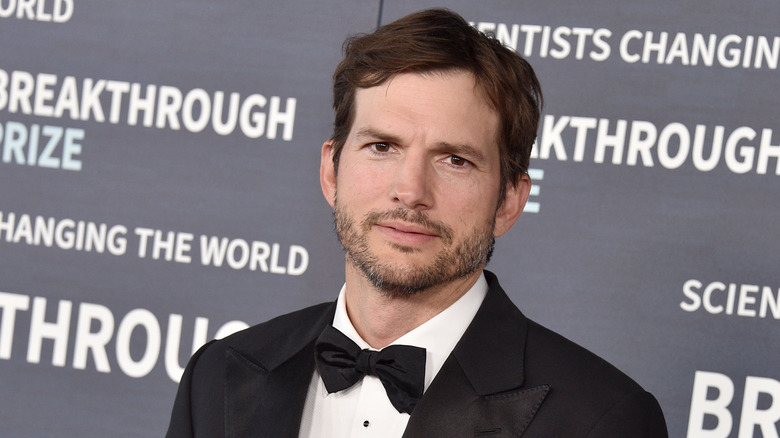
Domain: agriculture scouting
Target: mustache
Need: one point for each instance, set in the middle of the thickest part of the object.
(413, 217)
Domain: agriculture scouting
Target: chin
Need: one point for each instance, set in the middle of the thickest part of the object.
(407, 281)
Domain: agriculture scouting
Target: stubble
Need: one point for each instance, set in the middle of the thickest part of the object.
(456, 259)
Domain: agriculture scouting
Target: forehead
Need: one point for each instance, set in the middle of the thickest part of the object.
(435, 107)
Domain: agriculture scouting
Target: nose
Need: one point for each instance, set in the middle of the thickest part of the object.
(413, 184)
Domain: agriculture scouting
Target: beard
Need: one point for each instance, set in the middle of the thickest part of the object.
(457, 259)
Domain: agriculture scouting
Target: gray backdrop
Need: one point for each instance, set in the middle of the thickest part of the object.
(135, 222)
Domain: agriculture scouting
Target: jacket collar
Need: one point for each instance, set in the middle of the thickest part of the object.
(492, 349)
(267, 374)
(286, 336)
(479, 390)
(495, 337)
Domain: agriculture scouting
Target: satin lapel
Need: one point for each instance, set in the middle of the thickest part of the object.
(266, 386)
(479, 390)
(261, 403)
(451, 408)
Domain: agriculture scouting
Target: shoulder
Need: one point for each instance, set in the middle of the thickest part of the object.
(547, 357)
(290, 325)
(265, 344)
(590, 390)
(552, 356)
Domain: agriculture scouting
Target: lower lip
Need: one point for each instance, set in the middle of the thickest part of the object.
(403, 237)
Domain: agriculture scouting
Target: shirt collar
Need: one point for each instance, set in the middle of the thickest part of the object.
(438, 335)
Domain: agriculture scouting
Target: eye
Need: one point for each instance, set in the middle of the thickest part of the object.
(380, 147)
(457, 161)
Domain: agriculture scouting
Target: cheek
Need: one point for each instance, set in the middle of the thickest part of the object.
(471, 205)
(466, 208)
(357, 184)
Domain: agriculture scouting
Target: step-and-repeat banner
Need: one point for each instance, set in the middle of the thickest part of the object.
(159, 187)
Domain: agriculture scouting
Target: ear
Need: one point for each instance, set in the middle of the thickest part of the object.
(514, 202)
(328, 173)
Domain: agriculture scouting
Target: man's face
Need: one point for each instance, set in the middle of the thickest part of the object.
(416, 193)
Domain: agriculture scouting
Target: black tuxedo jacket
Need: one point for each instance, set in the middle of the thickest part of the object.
(507, 377)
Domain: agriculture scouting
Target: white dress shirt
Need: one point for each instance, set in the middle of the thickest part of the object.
(364, 410)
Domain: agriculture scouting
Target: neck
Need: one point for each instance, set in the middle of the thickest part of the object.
(381, 318)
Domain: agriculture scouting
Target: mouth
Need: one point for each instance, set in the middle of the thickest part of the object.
(406, 234)
(407, 228)
(403, 227)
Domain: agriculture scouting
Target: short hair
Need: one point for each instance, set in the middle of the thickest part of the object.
(441, 40)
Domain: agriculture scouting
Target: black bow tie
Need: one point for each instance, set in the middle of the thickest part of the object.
(400, 368)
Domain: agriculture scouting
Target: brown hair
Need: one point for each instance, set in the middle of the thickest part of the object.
(441, 40)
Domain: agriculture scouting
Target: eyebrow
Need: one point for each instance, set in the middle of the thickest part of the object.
(375, 134)
(460, 149)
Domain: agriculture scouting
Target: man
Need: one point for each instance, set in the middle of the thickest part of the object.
(426, 166)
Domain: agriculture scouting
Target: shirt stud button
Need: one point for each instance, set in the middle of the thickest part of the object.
(365, 423)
